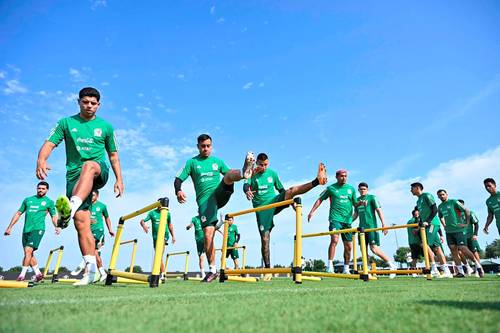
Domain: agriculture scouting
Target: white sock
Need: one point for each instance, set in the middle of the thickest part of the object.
(478, 264)
(202, 271)
(213, 269)
(24, 270)
(446, 269)
(330, 265)
(346, 268)
(434, 268)
(460, 269)
(36, 269)
(75, 202)
(91, 263)
(102, 271)
(391, 264)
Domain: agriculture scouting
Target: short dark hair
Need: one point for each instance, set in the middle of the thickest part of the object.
(44, 183)
(89, 92)
(461, 201)
(441, 190)
(262, 157)
(489, 180)
(363, 184)
(203, 137)
(417, 184)
(414, 211)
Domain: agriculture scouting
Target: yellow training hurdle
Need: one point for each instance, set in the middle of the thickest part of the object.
(154, 278)
(186, 266)
(16, 284)
(244, 258)
(134, 251)
(296, 270)
(53, 276)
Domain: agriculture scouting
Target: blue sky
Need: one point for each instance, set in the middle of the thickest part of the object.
(392, 91)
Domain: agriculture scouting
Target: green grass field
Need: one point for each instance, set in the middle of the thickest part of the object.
(403, 305)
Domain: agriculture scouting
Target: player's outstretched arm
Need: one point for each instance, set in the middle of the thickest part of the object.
(13, 221)
(181, 196)
(171, 230)
(42, 167)
(108, 224)
(144, 226)
(313, 209)
(114, 159)
(489, 219)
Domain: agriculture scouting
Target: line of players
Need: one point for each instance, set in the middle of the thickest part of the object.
(89, 139)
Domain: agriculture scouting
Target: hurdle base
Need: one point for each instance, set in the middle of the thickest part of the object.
(16, 284)
(332, 275)
(241, 279)
(110, 279)
(311, 278)
(364, 277)
(154, 281)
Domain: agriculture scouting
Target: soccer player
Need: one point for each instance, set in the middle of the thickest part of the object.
(472, 243)
(415, 244)
(428, 213)
(98, 210)
(233, 237)
(154, 217)
(492, 203)
(342, 200)
(88, 138)
(368, 208)
(36, 208)
(211, 192)
(261, 190)
(450, 213)
(199, 237)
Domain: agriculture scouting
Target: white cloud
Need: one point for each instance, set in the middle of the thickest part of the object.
(94, 4)
(105, 83)
(79, 75)
(180, 76)
(221, 20)
(72, 97)
(397, 168)
(14, 87)
(247, 85)
(14, 68)
(3, 75)
(261, 84)
(42, 93)
(212, 10)
(140, 95)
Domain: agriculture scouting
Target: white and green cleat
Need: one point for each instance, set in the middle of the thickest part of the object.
(63, 207)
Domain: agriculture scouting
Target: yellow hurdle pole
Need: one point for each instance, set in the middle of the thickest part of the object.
(327, 233)
(142, 210)
(186, 267)
(402, 226)
(240, 271)
(132, 276)
(354, 252)
(47, 265)
(15, 284)
(426, 252)
(166, 262)
(178, 253)
(160, 243)
(298, 240)
(244, 264)
(257, 209)
(114, 252)
(333, 275)
(134, 251)
(222, 275)
(364, 258)
(58, 264)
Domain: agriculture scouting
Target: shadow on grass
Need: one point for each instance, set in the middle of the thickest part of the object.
(466, 305)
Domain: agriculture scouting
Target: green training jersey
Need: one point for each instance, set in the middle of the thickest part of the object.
(493, 204)
(367, 217)
(424, 204)
(453, 213)
(263, 185)
(205, 173)
(198, 230)
(97, 211)
(342, 199)
(470, 227)
(232, 231)
(413, 239)
(86, 140)
(36, 209)
(154, 217)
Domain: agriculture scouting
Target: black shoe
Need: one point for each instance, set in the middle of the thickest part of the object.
(481, 272)
(205, 279)
(212, 277)
(459, 275)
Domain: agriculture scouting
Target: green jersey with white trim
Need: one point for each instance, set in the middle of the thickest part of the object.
(264, 185)
(366, 211)
(97, 211)
(424, 204)
(36, 209)
(342, 199)
(452, 211)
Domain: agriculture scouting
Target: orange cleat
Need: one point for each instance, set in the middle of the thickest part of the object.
(322, 177)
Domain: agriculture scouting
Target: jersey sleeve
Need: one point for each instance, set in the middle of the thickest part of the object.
(490, 210)
(375, 203)
(354, 200)
(56, 134)
(22, 209)
(223, 167)
(277, 183)
(324, 195)
(110, 141)
(429, 199)
(52, 208)
(105, 211)
(458, 205)
(169, 218)
(148, 217)
(236, 229)
(439, 212)
(473, 218)
(185, 172)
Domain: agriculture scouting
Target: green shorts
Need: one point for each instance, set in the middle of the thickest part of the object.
(200, 246)
(456, 238)
(432, 234)
(265, 218)
(335, 225)
(416, 251)
(99, 182)
(33, 238)
(154, 241)
(99, 238)
(233, 253)
(473, 245)
(207, 210)
(372, 238)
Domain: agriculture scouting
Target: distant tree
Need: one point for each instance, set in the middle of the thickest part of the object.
(279, 266)
(63, 269)
(136, 269)
(493, 249)
(402, 254)
(316, 265)
(379, 262)
(15, 269)
(1, 269)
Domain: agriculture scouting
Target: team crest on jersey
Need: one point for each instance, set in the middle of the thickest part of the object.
(261, 227)
(43, 203)
(349, 191)
(203, 219)
(215, 167)
(270, 179)
(74, 130)
(98, 209)
(98, 132)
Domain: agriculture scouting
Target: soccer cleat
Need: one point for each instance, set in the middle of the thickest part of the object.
(436, 274)
(77, 270)
(87, 279)
(210, 277)
(20, 278)
(481, 272)
(206, 277)
(103, 277)
(470, 271)
(63, 207)
(267, 277)
(459, 275)
(330, 269)
(38, 277)
(414, 275)
(393, 268)
(476, 274)
(449, 275)
(247, 170)
(322, 177)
